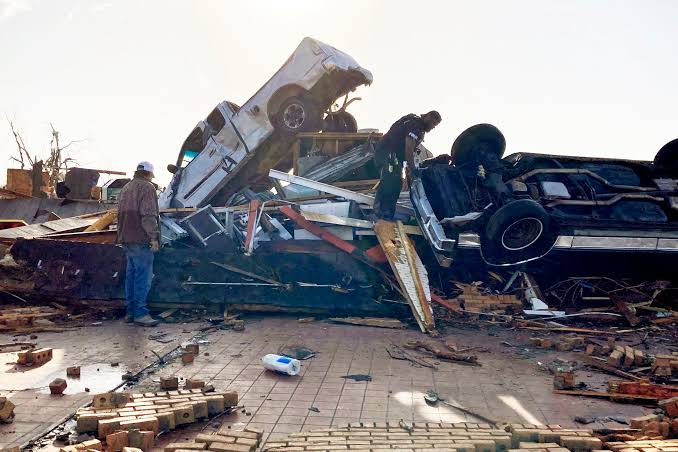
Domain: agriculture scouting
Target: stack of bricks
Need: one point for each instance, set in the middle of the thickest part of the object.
(665, 365)
(460, 437)
(225, 440)
(625, 357)
(562, 344)
(655, 425)
(472, 300)
(152, 411)
(665, 445)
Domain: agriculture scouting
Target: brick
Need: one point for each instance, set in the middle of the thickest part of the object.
(6, 409)
(200, 409)
(225, 447)
(230, 398)
(110, 400)
(166, 421)
(193, 348)
(89, 422)
(107, 426)
(187, 357)
(149, 423)
(183, 414)
(57, 386)
(670, 406)
(34, 357)
(248, 441)
(578, 443)
(240, 433)
(92, 444)
(116, 441)
(563, 380)
(215, 405)
(194, 384)
(538, 445)
(73, 371)
(615, 359)
(640, 422)
(521, 435)
(169, 383)
(131, 449)
(173, 447)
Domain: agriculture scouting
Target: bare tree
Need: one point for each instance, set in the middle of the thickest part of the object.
(56, 164)
(23, 152)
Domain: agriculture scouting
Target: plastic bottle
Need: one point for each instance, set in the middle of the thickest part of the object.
(282, 364)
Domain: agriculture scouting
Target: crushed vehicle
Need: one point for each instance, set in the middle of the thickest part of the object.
(519, 208)
(235, 146)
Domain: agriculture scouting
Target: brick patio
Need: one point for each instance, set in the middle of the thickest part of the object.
(508, 386)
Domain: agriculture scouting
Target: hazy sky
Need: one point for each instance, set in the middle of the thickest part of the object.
(133, 77)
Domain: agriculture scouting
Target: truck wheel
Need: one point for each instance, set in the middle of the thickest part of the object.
(667, 156)
(299, 115)
(475, 142)
(519, 231)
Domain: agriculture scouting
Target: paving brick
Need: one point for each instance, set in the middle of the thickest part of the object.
(166, 420)
(226, 447)
(230, 398)
(579, 443)
(173, 447)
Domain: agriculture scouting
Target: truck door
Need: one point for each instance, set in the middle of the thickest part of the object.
(206, 174)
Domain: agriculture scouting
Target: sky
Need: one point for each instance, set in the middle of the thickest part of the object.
(132, 78)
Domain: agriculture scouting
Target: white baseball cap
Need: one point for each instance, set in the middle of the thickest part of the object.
(145, 166)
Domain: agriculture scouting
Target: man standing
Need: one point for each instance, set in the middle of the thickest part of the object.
(139, 234)
(396, 146)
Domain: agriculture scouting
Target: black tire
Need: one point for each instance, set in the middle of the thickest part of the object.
(476, 141)
(340, 121)
(297, 114)
(667, 157)
(519, 231)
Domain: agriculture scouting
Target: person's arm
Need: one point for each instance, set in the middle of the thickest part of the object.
(148, 209)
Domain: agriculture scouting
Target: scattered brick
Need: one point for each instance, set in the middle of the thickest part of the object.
(34, 357)
(194, 384)
(670, 406)
(57, 386)
(170, 383)
(73, 371)
(193, 348)
(6, 410)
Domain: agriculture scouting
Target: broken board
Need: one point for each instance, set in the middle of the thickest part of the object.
(408, 269)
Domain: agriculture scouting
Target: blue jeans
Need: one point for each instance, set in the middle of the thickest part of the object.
(138, 278)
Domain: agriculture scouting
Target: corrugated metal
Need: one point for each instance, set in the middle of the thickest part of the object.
(36, 210)
(49, 227)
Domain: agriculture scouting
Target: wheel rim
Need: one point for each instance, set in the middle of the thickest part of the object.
(522, 234)
(294, 116)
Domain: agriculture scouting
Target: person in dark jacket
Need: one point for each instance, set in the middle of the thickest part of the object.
(395, 147)
(139, 235)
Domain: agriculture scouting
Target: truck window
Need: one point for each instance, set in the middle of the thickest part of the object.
(191, 147)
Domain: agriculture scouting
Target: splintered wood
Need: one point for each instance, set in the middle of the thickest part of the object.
(408, 269)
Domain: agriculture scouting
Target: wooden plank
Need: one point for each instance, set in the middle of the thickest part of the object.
(103, 222)
(378, 322)
(602, 365)
(605, 395)
(408, 269)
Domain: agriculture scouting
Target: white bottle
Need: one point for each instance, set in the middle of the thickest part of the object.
(282, 364)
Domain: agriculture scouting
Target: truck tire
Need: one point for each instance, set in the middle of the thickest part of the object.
(297, 114)
(519, 231)
(667, 157)
(476, 141)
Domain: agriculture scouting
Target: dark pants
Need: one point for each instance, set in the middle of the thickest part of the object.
(388, 191)
(138, 278)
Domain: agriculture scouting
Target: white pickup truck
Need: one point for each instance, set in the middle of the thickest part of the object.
(237, 146)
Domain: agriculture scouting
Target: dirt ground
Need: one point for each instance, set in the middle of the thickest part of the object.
(512, 383)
